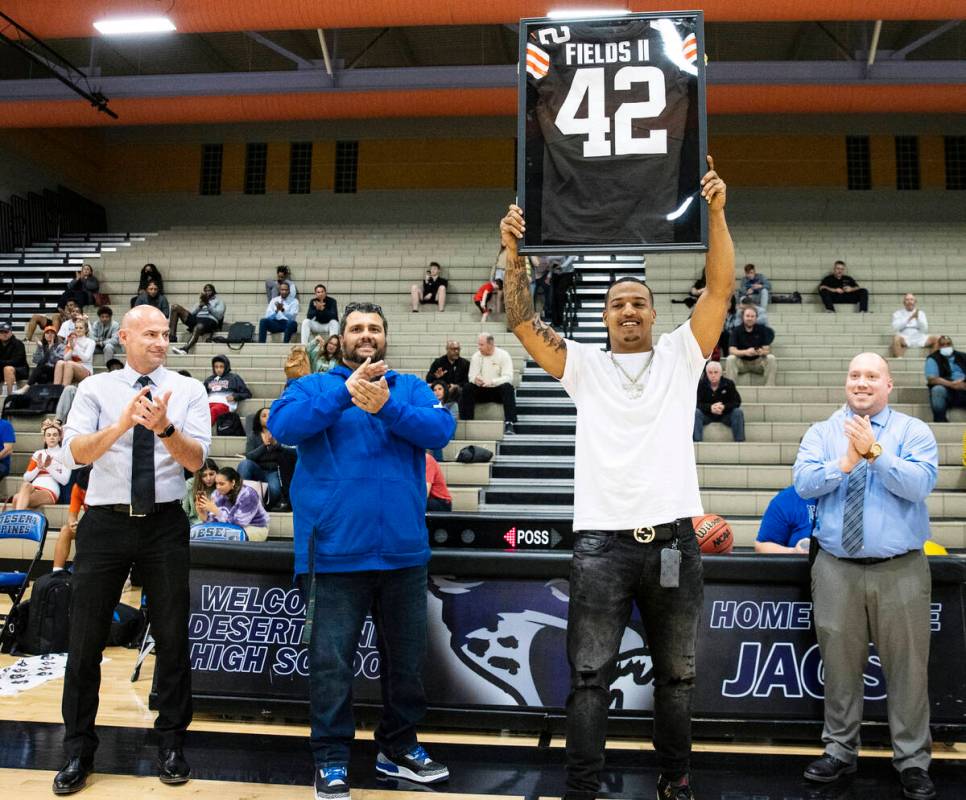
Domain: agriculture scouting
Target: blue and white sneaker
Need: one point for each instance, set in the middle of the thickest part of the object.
(332, 783)
(416, 765)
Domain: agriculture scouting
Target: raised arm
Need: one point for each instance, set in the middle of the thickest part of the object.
(711, 309)
(543, 343)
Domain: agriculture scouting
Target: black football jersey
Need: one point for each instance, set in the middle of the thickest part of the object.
(612, 105)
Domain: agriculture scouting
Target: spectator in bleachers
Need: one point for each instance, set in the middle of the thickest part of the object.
(838, 287)
(739, 314)
(698, 288)
(81, 289)
(718, 401)
(56, 319)
(946, 378)
(541, 274)
(273, 287)
(322, 315)
(200, 486)
(749, 349)
(206, 318)
(561, 279)
(71, 314)
(451, 368)
(279, 315)
(113, 364)
(325, 353)
(104, 332)
(78, 361)
(438, 497)
(13, 358)
(78, 493)
(149, 272)
(152, 296)
(7, 440)
(787, 524)
(432, 290)
(447, 398)
(226, 389)
(234, 502)
(491, 290)
(46, 472)
(46, 355)
(755, 286)
(909, 327)
(490, 381)
(268, 462)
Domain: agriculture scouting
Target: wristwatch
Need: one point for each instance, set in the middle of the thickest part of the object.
(874, 452)
(169, 431)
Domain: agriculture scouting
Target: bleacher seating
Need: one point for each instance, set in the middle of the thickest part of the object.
(534, 467)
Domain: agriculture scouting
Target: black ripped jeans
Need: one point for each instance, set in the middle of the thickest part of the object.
(610, 572)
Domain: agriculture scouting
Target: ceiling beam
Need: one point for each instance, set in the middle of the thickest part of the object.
(925, 39)
(264, 41)
(761, 73)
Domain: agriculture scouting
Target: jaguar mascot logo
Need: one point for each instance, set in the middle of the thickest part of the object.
(507, 645)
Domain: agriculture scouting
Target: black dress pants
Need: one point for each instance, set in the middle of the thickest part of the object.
(860, 296)
(108, 545)
(473, 394)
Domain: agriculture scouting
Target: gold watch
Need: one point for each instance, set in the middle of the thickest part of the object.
(874, 452)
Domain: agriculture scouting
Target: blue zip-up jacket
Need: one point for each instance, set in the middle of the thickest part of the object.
(360, 482)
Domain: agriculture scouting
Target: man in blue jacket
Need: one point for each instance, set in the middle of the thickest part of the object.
(359, 497)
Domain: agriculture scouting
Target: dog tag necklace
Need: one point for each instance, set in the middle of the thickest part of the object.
(634, 387)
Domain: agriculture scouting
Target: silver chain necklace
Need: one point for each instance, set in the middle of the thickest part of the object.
(633, 388)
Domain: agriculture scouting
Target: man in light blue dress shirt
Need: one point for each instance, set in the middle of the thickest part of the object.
(140, 427)
(871, 469)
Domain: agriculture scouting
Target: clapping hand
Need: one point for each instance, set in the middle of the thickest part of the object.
(368, 393)
(152, 414)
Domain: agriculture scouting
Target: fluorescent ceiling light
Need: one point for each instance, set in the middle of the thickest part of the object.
(133, 25)
(577, 13)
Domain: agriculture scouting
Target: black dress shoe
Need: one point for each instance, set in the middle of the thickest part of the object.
(172, 768)
(73, 777)
(917, 784)
(827, 769)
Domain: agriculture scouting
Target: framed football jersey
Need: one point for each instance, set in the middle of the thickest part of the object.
(612, 134)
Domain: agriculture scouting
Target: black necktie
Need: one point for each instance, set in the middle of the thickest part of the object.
(142, 465)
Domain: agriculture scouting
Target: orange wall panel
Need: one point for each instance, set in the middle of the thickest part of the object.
(276, 178)
(323, 166)
(233, 168)
(882, 150)
(435, 164)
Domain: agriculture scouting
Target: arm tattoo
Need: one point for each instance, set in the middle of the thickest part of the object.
(516, 292)
(552, 339)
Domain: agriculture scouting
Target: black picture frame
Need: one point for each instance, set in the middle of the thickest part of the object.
(690, 229)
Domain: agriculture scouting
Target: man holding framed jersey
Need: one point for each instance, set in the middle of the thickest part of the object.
(635, 491)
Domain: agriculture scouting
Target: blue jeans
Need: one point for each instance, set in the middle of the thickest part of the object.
(734, 419)
(267, 326)
(397, 601)
(942, 398)
(250, 471)
(609, 573)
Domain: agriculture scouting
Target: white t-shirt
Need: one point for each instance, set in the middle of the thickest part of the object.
(634, 461)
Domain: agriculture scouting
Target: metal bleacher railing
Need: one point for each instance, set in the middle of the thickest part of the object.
(44, 240)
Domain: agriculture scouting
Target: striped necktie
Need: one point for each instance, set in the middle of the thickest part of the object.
(142, 465)
(852, 517)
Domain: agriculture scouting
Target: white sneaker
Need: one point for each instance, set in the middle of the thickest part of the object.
(178, 351)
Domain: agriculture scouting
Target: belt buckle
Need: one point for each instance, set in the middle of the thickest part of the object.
(130, 511)
(645, 534)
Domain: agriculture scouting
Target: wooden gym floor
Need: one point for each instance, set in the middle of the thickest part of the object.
(235, 759)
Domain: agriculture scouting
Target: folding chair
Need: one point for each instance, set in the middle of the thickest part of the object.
(27, 526)
(202, 532)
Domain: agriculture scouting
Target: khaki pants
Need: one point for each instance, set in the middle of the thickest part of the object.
(887, 604)
(763, 365)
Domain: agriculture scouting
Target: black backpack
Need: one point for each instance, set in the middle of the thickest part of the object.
(41, 398)
(127, 627)
(474, 454)
(48, 621)
(229, 424)
(239, 333)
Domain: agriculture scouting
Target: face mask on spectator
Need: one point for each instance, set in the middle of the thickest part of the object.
(946, 351)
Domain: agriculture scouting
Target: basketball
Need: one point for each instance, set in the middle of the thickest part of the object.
(714, 534)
